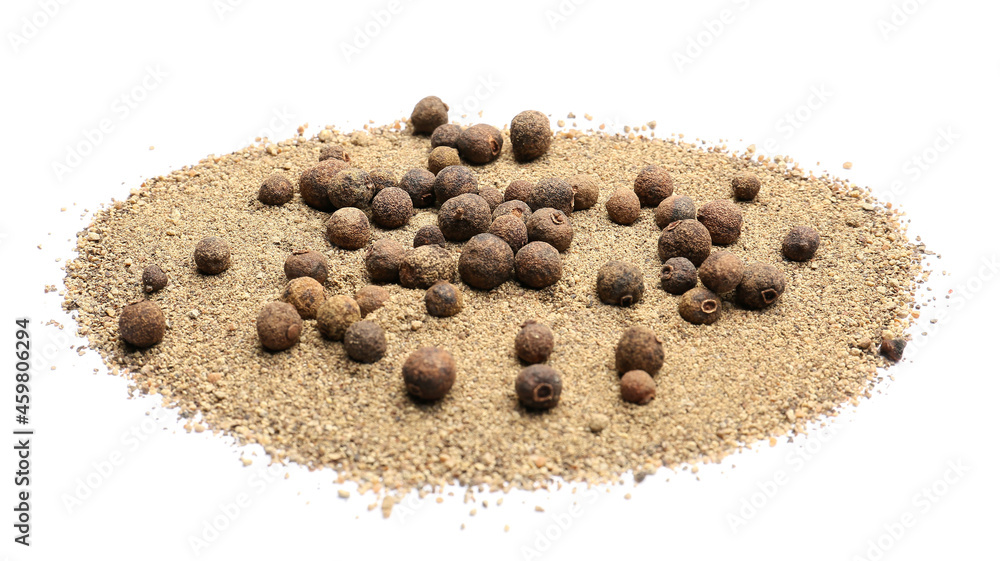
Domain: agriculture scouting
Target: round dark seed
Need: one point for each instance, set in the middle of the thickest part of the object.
(464, 216)
(423, 266)
(383, 178)
(154, 279)
(348, 229)
(761, 286)
(585, 191)
(652, 185)
(306, 294)
(552, 227)
(334, 152)
(800, 243)
(392, 208)
(335, 315)
(721, 272)
(492, 196)
(371, 298)
(419, 185)
(428, 235)
(620, 284)
(480, 144)
(639, 349)
(305, 263)
(382, 260)
(538, 387)
(446, 135)
(538, 265)
(685, 238)
(700, 306)
(364, 342)
(518, 190)
(530, 135)
(638, 387)
(442, 157)
(678, 275)
(453, 181)
(486, 262)
(351, 187)
(552, 192)
(315, 183)
(212, 255)
(515, 207)
(510, 229)
(142, 324)
(674, 208)
(623, 206)
(892, 349)
(443, 300)
(429, 372)
(276, 190)
(745, 187)
(534, 342)
(428, 114)
(723, 220)
(278, 326)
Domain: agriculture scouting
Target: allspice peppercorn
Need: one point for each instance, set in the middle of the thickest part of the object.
(305, 263)
(429, 372)
(383, 178)
(892, 349)
(510, 229)
(278, 326)
(315, 183)
(761, 286)
(721, 272)
(306, 294)
(515, 207)
(678, 275)
(464, 216)
(674, 208)
(428, 114)
(492, 196)
(442, 157)
(723, 220)
(652, 185)
(212, 255)
(530, 135)
(800, 243)
(480, 144)
(142, 324)
(419, 185)
(534, 342)
(365, 342)
(537, 265)
(383, 259)
(334, 152)
(335, 315)
(685, 238)
(518, 190)
(155, 280)
(745, 187)
(620, 283)
(392, 208)
(552, 192)
(428, 235)
(446, 135)
(453, 181)
(371, 298)
(639, 349)
(538, 387)
(351, 187)
(423, 266)
(276, 190)
(550, 226)
(700, 306)
(585, 191)
(623, 206)
(348, 229)
(638, 387)
(443, 300)
(486, 262)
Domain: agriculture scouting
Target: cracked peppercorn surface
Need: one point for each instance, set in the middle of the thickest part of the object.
(749, 376)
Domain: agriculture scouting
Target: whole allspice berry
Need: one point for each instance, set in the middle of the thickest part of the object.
(305, 263)
(892, 348)
(348, 229)
(480, 144)
(443, 300)
(383, 178)
(639, 349)
(723, 220)
(700, 306)
(538, 387)
(552, 227)
(142, 324)
(306, 295)
(364, 342)
(685, 238)
(315, 183)
(383, 259)
(518, 190)
(638, 387)
(446, 135)
(745, 187)
(515, 207)
(371, 298)
(552, 192)
(464, 216)
(652, 185)
(211, 255)
(800, 243)
(674, 208)
(761, 286)
(428, 235)
(453, 181)
(486, 262)
(530, 135)
(534, 342)
(429, 372)
(335, 315)
(334, 152)
(428, 114)
(537, 265)
(492, 196)
(276, 190)
(154, 279)
(721, 272)
(423, 266)
(392, 208)
(419, 185)
(442, 157)
(585, 191)
(619, 283)
(510, 229)
(351, 187)
(278, 326)
(678, 275)
(623, 206)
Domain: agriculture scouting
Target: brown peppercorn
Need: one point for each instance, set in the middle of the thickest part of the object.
(623, 206)
(211, 255)
(371, 298)
(348, 229)
(620, 284)
(419, 185)
(464, 216)
(492, 196)
(278, 326)
(800, 243)
(745, 187)
(453, 181)
(428, 235)
(892, 349)
(315, 183)
(383, 178)
(443, 300)
(685, 238)
(552, 227)
(552, 192)
(700, 306)
(351, 187)
(486, 262)
(639, 349)
(723, 220)
(442, 157)
(534, 342)
(678, 275)
(154, 279)
(429, 372)
(423, 266)
(446, 135)
(335, 315)
(428, 114)
(721, 272)
(538, 265)
(538, 387)
(334, 152)
(392, 208)
(510, 229)
(652, 185)
(275, 190)
(306, 295)
(761, 286)
(364, 342)
(382, 260)
(142, 324)
(515, 207)
(480, 144)
(305, 263)
(518, 190)
(638, 387)
(530, 135)
(674, 208)
(585, 191)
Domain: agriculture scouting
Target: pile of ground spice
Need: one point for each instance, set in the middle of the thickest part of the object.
(752, 376)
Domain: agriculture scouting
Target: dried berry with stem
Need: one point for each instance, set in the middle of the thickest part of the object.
(685, 238)
(538, 387)
(552, 227)
(305, 263)
(620, 284)
(537, 265)
(480, 144)
(700, 306)
(278, 326)
(486, 262)
(678, 275)
(429, 373)
(464, 216)
(761, 286)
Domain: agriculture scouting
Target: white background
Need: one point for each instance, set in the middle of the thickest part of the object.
(897, 76)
